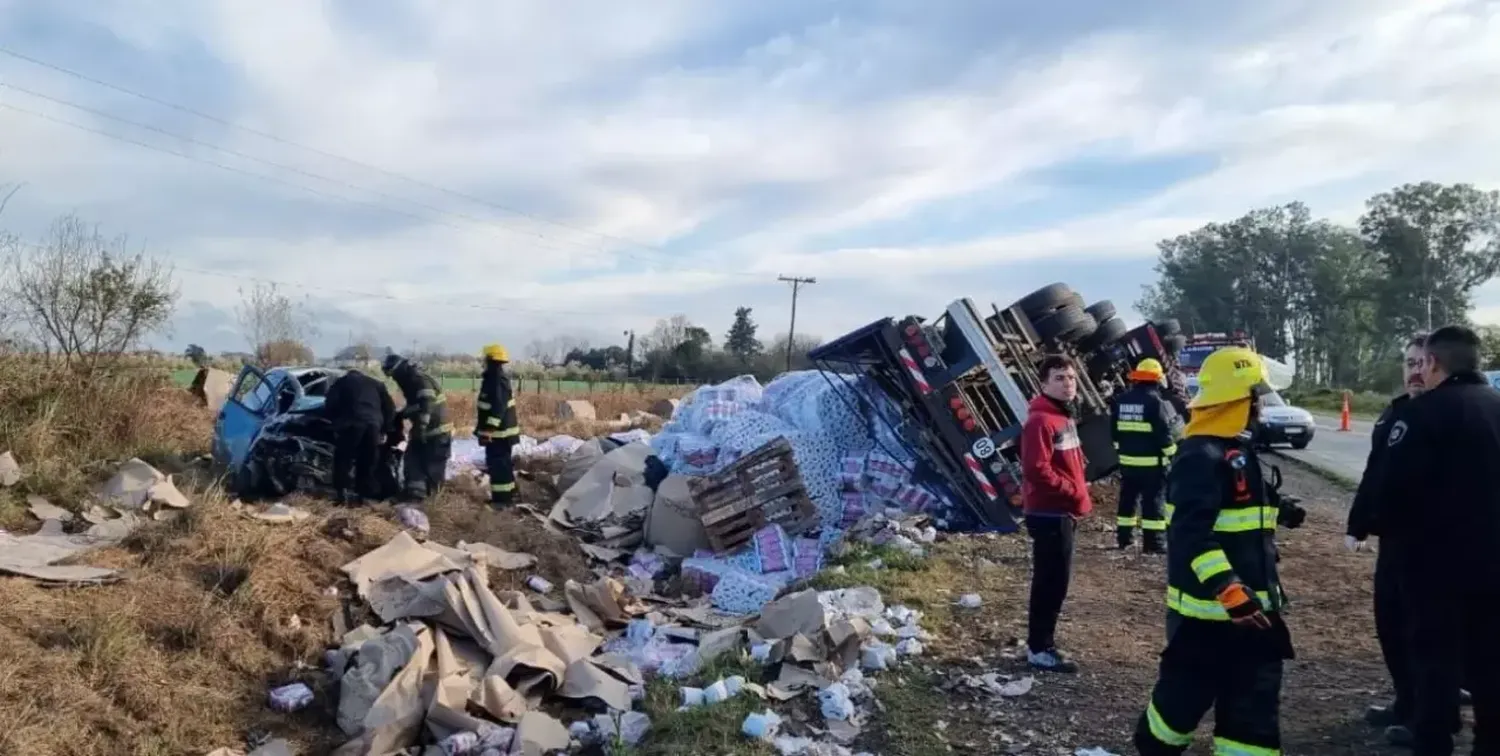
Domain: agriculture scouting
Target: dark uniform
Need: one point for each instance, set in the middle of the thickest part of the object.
(1144, 427)
(1389, 608)
(498, 430)
(1222, 532)
(1437, 501)
(361, 411)
(430, 442)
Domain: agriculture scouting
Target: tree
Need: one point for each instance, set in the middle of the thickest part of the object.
(196, 354)
(773, 362)
(85, 298)
(1437, 244)
(276, 327)
(741, 341)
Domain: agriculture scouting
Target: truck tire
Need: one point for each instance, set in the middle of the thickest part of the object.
(1174, 343)
(1102, 310)
(1066, 323)
(1168, 327)
(1109, 331)
(1040, 303)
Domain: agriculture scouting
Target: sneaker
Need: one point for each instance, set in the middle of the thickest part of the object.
(1381, 716)
(1051, 660)
(1399, 736)
(1465, 698)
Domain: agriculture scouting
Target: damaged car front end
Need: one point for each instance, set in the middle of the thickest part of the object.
(273, 438)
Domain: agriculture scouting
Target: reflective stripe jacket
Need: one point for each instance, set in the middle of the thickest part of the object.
(426, 406)
(1144, 427)
(497, 406)
(1222, 528)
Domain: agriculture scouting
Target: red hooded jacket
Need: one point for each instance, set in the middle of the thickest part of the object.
(1052, 463)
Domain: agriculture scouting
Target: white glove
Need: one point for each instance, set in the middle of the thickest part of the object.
(1354, 544)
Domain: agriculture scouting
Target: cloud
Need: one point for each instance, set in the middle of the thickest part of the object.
(584, 167)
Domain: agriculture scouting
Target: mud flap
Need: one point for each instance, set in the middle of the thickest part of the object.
(1098, 447)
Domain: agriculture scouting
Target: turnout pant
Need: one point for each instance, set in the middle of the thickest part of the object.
(1451, 637)
(356, 452)
(499, 464)
(1216, 665)
(1051, 571)
(426, 465)
(1141, 503)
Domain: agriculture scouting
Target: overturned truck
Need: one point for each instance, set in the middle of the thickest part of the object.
(963, 382)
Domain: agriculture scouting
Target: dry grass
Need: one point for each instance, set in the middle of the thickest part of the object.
(216, 607)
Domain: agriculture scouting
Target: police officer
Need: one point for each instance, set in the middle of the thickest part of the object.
(1145, 428)
(430, 442)
(1389, 608)
(1226, 641)
(497, 428)
(1437, 502)
(362, 414)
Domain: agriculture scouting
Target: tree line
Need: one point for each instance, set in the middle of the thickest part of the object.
(1339, 302)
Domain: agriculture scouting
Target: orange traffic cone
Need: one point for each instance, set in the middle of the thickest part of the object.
(1344, 414)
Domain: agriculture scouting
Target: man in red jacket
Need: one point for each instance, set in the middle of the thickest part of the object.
(1054, 495)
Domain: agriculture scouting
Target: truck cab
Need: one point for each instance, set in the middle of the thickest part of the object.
(964, 380)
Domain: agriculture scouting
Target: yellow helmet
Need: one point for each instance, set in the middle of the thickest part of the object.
(1148, 371)
(495, 352)
(1229, 375)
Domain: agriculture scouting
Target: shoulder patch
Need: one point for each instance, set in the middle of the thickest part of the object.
(1398, 432)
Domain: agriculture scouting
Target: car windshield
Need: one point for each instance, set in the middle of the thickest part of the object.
(1272, 399)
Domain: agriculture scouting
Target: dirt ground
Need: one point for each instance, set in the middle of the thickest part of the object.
(1113, 625)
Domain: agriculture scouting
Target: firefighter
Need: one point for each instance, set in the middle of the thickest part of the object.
(362, 414)
(497, 428)
(1226, 641)
(1145, 430)
(1437, 500)
(430, 441)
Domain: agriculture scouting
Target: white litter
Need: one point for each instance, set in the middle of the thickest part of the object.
(970, 601)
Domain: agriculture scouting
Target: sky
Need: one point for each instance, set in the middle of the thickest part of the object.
(458, 172)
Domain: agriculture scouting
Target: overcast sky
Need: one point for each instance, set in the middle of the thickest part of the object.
(458, 171)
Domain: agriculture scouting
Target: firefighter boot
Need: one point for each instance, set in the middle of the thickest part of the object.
(1124, 537)
(1151, 542)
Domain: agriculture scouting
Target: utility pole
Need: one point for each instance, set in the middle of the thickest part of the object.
(629, 353)
(791, 334)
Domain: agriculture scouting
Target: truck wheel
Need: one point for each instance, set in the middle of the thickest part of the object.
(1040, 303)
(1067, 323)
(1109, 331)
(1174, 343)
(1102, 310)
(1168, 327)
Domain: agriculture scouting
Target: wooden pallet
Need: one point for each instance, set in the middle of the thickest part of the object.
(762, 488)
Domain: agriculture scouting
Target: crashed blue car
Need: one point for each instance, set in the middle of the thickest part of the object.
(271, 435)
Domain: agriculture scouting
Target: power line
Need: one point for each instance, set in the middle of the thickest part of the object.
(285, 167)
(791, 333)
(348, 160)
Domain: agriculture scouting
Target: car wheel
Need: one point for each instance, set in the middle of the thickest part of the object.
(1040, 303)
(1300, 444)
(1102, 310)
(1065, 324)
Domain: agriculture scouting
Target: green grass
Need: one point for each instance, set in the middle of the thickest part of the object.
(1362, 404)
(465, 383)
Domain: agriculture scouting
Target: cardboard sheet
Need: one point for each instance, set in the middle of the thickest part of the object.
(615, 486)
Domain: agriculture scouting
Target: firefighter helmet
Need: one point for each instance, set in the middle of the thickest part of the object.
(1229, 375)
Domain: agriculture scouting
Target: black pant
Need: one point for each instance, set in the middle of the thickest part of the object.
(1390, 629)
(498, 463)
(425, 465)
(356, 451)
(1451, 635)
(1215, 665)
(1051, 570)
(1141, 492)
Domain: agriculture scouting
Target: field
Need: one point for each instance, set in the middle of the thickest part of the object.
(184, 377)
(177, 659)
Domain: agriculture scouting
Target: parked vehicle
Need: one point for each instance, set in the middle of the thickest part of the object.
(963, 382)
(271, 434)
(1281, 423)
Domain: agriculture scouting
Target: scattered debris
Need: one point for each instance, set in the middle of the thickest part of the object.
(10, 470)
(762, 725)
(46, 510)
(970, 601)
(576, 409)
(761, 489)
(289, 698)
(278, 512)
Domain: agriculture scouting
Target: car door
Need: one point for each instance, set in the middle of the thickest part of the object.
(241, 417)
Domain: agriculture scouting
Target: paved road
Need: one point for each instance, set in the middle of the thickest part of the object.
(1339, 452)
